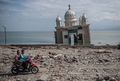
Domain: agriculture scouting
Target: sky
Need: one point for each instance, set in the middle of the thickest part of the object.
(40, 15)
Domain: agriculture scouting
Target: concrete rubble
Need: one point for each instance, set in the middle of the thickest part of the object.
(64, 64)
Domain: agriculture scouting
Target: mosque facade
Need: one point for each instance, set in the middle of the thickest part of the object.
(73, 32)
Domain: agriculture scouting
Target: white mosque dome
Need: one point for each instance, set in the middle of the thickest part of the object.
(70, 15)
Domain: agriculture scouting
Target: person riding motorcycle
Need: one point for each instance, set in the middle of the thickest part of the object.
(23, 63)
(17, 56)
(21, 59)
(24, 59)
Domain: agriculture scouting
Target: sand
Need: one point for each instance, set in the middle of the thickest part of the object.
(63, 63)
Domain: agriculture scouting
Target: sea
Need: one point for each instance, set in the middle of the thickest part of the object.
(47, 37)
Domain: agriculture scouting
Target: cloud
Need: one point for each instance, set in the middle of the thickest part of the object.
(40, 12)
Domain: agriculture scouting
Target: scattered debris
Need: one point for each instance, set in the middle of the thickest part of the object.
(65, 64)
(103, 51)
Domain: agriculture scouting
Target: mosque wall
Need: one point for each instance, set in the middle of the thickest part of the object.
(65, 37)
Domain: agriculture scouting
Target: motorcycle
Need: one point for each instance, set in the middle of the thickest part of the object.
(30, 67)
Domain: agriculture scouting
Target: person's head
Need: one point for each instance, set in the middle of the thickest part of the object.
(22, 51)
(18, 52)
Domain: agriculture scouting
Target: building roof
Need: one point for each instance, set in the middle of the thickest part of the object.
(70, 15)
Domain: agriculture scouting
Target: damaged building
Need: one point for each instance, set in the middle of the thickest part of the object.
(73, 32)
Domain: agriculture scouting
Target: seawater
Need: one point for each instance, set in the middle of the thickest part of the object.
(97, 37)
(28, 38)
(105, 37)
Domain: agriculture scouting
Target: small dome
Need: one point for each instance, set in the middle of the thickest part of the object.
(58, 18)
(70, 14)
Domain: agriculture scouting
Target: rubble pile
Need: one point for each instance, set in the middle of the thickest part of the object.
(65, 64)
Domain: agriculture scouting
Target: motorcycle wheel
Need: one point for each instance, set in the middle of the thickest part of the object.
(14, 70)
(34, 69)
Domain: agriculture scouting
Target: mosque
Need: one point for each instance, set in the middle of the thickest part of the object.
(73, 32)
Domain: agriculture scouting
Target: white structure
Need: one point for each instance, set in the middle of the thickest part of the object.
(72, 33)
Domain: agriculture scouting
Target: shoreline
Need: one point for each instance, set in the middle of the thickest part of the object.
(61, 45)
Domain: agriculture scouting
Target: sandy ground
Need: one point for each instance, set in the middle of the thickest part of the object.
(63, 63)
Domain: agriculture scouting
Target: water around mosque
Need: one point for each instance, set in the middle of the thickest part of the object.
(97, 37)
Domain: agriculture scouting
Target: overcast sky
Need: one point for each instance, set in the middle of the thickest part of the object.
(40, 15)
